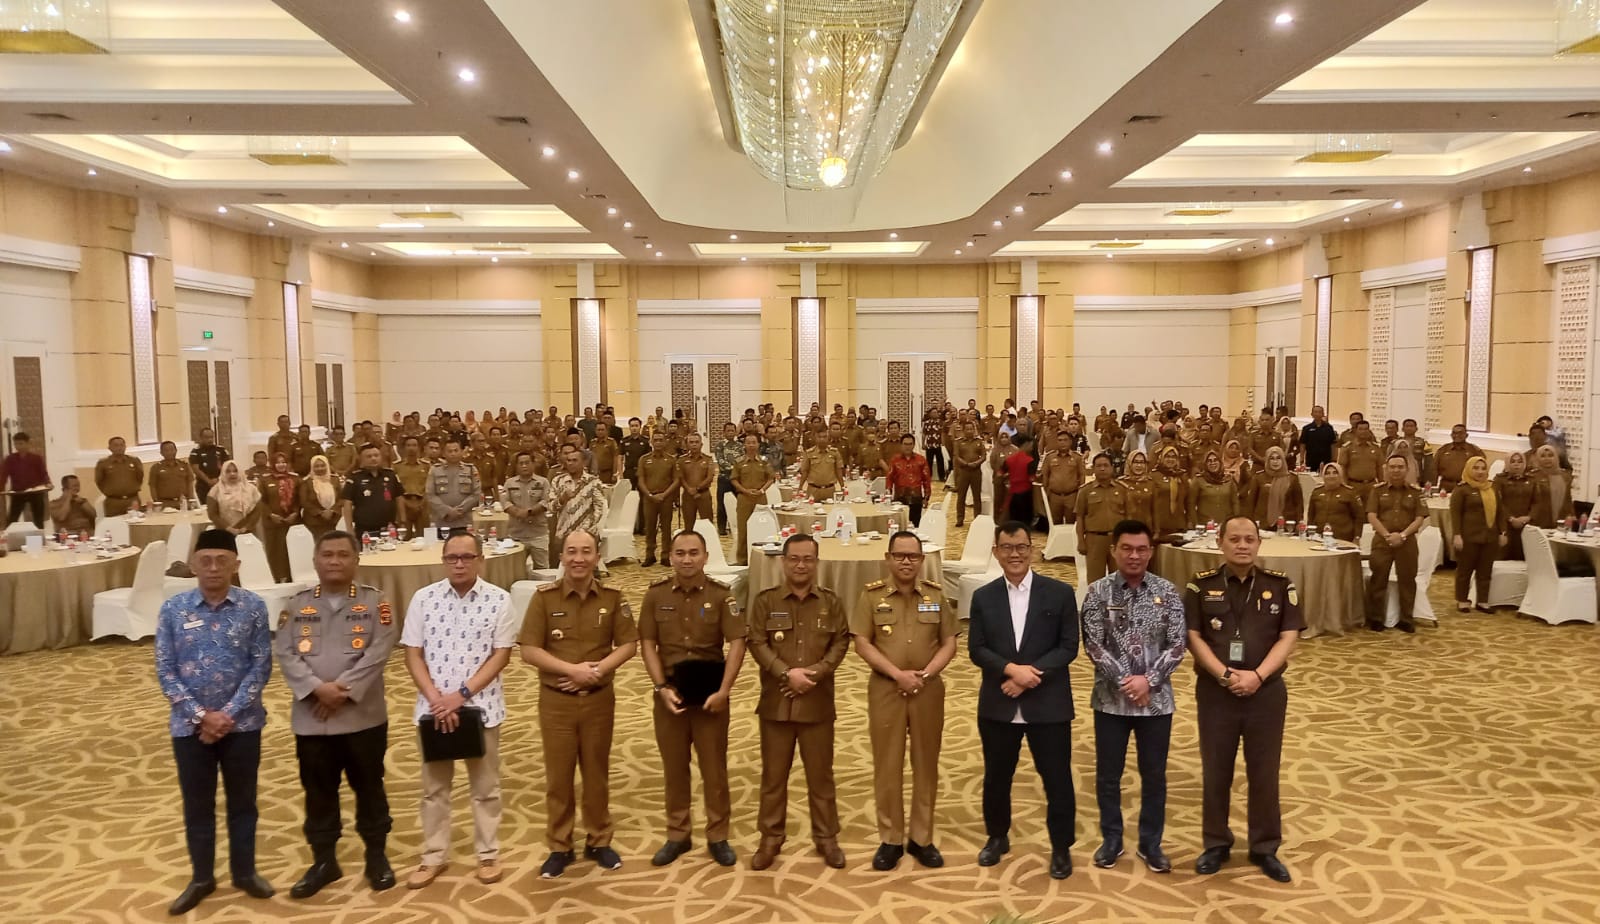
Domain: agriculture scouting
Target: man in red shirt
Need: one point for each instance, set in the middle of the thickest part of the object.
(909, 480)
(30, 482)
(1019, 480)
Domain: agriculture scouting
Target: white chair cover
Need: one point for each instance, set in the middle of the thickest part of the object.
(616, 535)
(774, 495)
(763, 524)
(179, 542)
(302, 549)
(856, 487)
(132, 611)
(1550, 597)
(116, 527)
(935, 526)
(969, 584)
(1062, 541)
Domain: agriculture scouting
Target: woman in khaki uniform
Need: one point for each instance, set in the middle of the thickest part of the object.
(280, 509)
(1517, 496)
(1278, 492)
(1552, 488)
(1213, 496)
(1140, 489)
(1480, 523)
(1336, 505)
(235, 503)
(1172, 495)
(319, 498)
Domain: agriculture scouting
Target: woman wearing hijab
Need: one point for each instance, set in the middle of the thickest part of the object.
(1552, 487)
(1518, 495)
(1172, 494)
(1234, 463)
(1278, 494)
(319, 498)
(1402, 448)
(1140, 489)
(1288, 439)
(234, 503)
(1213, 496)
(1480, 526)
(1336, 505)
(280, 506)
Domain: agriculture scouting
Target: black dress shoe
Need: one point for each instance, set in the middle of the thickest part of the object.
(1155, 860)
(1272, 866)
(321, 873)
(670, 851)
(926, 854)
(887, 857)
(1406, 625)
(1060, 865)
(254, 886)
(722, 853)
(1106, 856)
(379, 873)
(191, 896)
(993, 850)
(1211, 860)
(1375, 625)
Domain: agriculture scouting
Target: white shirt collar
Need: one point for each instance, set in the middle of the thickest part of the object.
(1023, 586)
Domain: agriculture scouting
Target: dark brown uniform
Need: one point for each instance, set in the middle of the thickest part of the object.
(698, 473)
(1362, 461)
(824, 471)
(966, 456)
(1480, 540)
(1100, 508)
(908, 628)
(692, 623)
(171, 483)
(119, 479)
(752, 475)
(1450, 461)
(1517, 499)
(1062, 475)
(1340, 508)
(658, 474)
(787, 631)
(606, 455)
(576, 727)
(412, 510)
(1240, 621)
(1396, 508)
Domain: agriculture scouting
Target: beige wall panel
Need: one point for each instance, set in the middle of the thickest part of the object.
(34, 209)
(1519, 267)
(1573, 205)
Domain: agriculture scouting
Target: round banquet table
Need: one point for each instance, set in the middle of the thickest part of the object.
(1332, 595)
(869, 517)
(402, 572)
(47, 600)
(786, 490)
(159, 526)
(1569, 548)
(484, 520)
(1439, 515)
(842, 569)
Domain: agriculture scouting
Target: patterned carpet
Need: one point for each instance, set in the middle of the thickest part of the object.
(1453, 775)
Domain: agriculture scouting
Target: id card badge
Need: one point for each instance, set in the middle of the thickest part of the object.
(1236, 651)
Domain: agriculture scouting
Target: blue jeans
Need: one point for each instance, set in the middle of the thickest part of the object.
(237, 756)
(1152, 734)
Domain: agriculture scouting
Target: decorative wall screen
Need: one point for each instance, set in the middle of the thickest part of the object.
(898, 405)
(291, 350)
(1025, 323)
(142, 314)
(198, 376)
(27, 376)
(224, 401)
(1433, 375)
(1480, 314)
(1319, 383)
(807, 353)
(682, 389)
(588, 353)
(719, 396)
(1380, 351)
(934, 376)
(1291, 381)
(1574, 345)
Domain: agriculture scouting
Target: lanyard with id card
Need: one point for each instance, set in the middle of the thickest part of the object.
(1236, 644)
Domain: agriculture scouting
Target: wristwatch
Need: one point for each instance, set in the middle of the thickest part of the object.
(1152, 680)
(660, 687)
(466, 693)
(1226, 676)
(199, 715)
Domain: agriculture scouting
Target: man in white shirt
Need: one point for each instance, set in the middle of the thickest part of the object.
(458, 635)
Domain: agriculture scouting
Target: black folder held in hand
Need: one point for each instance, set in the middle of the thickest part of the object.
(465, 743)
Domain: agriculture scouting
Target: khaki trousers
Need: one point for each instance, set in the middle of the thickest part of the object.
(1404, 560)
(1098, 559)
(707, 735)
(413, 513)
(778, 741)
(694, 507)
(890, 718)
(483, 775)
(657, 522)
(577, 735)
(1063, 507)
(968, 482)
(741, 549)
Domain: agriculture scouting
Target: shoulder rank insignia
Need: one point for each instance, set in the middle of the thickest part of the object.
(1193, 587)
(661, 583)
(875, 585)
(385, 613)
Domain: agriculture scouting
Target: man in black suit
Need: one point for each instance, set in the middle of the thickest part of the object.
(1022, 635)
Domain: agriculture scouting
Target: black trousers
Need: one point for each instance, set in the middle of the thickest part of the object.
(1051, 747)
(1153, 735)
(724, 488)
(936, 463)
(1021, 508)
(358, 756)
(913, 502)
(1225, 720)
(33, 502)
(237, 756)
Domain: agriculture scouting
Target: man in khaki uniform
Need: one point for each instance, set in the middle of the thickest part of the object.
(659, 480)
(869, 454)
(171, 479)
(821, 469)
(906, 631)
(1451, 459)
(1102, 504)
(412, 510)
(1397, 513)
(1361, 458)
(342, 456)
(282, 440)
(798, 636)
(577, 632)
(482, 458)
(751, 476)
(1062, 474)
(697, 475)
(685, 621)
(119, 477)
(332, 644)
(304, 448)
(967, 459)
(607, 452)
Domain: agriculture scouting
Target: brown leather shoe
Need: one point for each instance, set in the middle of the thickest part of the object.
(423, 875)
(490, 871)
(831, 854)
(765, 856)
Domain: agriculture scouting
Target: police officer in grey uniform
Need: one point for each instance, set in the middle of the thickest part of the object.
(332, 643)
(453, 489)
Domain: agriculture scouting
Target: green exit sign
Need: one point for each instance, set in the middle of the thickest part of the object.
(206, 335)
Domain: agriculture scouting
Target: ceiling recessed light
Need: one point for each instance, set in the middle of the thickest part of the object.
(1398, 205)
(894, 235)
(627, 224)
(743, 259)
(660, 253)
(1017, 209)
(612, 210)
(93, 172)
(733, 237)
(372, 253)
(1104, 147)
(1270, 242)
(1066, 174)
(402, 16)
(494, 259)
(1347, 219)
(272, 224)
(222, 210)
(5, 147)
(649, 246)
(548, 151)
(573, 174)
(958, 252)
(344, 245)
(1111, 256)
(998, 222)
(969, 243)
(1283, 19)
(1527, 169)
(467, 75)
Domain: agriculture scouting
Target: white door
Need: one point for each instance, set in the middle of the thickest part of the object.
(702, 386)
(22, 401)
(909, 384)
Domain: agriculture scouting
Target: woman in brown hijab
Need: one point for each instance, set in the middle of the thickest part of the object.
(1336, 505)
(1518, 493)
(1213, 496)
(1278, 493)
(1553, 488)
(1140, 488)
(280, 506)
(1172, 494)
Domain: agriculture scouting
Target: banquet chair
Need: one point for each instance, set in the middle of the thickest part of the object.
(131, 612)
(986, 489)
(1496, 467)
(302, 550)
(616, 533)
(935, 527)
(1508, 582)
(879, 485)
(99, 509)
(180, 542)
(255, 575)
(856, 487)
(115, 527)
(16, 535)
(969, 584)
(1080, 568)
(522, 594)
(1551, 597)
(774, 495)
(1430, 545)
(1062, 540)
(546, 575)
(975, 555)
(717, 561)
(763, 524)
(836, 515)
(620, 490)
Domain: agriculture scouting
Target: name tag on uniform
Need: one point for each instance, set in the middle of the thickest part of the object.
(1236, 650)
(927, 607)
(194, 623)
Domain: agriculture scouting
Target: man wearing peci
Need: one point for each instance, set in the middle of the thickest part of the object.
(1022, 635)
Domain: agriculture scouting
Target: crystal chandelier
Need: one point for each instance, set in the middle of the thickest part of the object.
(1577, 27)
(1347, 149)
(54, 27)
(821, 89)
(299, 150)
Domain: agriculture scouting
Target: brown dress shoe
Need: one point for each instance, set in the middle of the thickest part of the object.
(831, 854)
(490, 871)
(423, 875)
(765, 856)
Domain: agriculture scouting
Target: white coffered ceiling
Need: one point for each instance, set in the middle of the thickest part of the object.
(589, 130)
